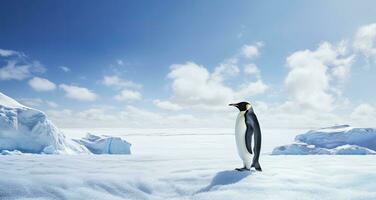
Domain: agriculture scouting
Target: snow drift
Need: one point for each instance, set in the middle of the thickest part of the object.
(27, 130)
(336, 140)
(105, 144)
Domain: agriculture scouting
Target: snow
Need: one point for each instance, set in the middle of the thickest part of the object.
(305, 149)
(176, 164)
(105, 144)
(336, 140)
(29, 131)
(352, 150)
(14, 152)
(195, 166)
(340, 135)
(9, 102)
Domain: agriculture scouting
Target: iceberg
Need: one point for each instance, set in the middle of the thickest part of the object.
(335, 140)
(27, 130)
(6, 152)
(299, 149)
(340, 135)
(105, 144)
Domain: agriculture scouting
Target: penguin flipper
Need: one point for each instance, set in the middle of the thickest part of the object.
(248, 140)
(249, 134)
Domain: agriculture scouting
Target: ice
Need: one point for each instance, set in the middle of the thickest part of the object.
(352, 150)
(9, 102)
(28, 130)
(14, 152)
(189, 167)
(175, 164)
(336, 140)
(341, 135)
(299, 149)
(105, 144)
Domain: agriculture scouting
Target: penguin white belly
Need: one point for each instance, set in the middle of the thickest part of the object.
(240, 129)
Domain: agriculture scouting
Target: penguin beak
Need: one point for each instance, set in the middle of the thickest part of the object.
(232, 104)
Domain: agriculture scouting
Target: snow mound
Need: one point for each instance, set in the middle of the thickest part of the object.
(6, 152)
(352, 150)
(299, 149)
(27, 130)
(9, 102)
(105, 144)
(336, 140)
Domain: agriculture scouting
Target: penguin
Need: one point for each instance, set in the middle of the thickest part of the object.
(247, 126)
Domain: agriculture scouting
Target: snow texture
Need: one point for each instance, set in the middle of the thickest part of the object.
(27, 130)
(336, 140)
(105, 144)
(188, 167)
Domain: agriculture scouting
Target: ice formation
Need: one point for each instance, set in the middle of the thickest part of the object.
(336, 140)
(27, 130)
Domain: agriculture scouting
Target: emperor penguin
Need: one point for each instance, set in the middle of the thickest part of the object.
(247, 126)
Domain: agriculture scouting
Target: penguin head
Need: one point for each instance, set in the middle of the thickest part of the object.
(242, 106)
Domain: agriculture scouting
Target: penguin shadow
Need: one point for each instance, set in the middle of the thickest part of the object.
(226, 177)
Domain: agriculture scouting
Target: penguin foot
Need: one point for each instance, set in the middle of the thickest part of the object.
(256, 166)
(258, 169)
(242, 169)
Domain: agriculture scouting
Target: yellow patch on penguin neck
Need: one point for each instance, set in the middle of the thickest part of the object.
(248, 106)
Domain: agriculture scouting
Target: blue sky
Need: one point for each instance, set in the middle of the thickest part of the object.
(129, 60)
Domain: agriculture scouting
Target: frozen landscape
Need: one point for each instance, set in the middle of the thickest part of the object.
(151, 100)
(336, 140)
(27, 130)
(187, 166)
(176, 163)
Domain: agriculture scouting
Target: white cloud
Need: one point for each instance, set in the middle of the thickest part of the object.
(6, 53)
(41, 84)
(37, 102)
(18, 66)
(116, 81)
(226, 69)
(125, 94)
(14, 71)
(252, 51)
(32, 102)
(52, 104)
(139, 116)
(193, 85)
(290, 115)
(167, 105)
(92, 117)
(128, 95)
(130, 116)
(96, 114)
(309, 80)
(65, 69)
(364, 110)
(342, 70)
(364, 115)
(251, 89)
(365, 41)
(251, 69)
(78, 93)
(134, 116)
